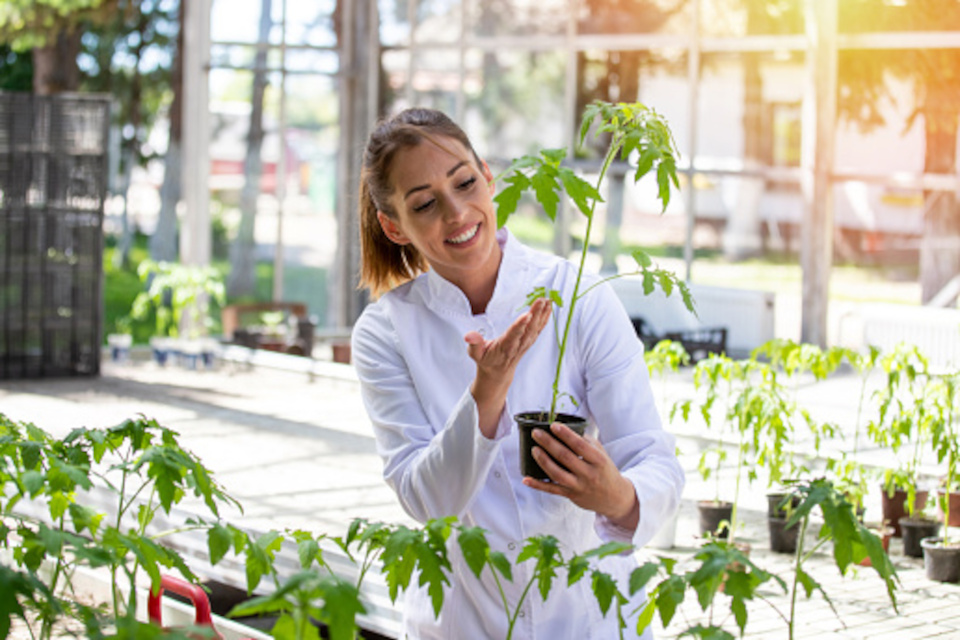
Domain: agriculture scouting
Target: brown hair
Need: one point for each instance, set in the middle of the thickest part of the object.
(384, 264)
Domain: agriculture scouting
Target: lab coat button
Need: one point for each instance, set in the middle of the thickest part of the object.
(496, 474)
(512, 546)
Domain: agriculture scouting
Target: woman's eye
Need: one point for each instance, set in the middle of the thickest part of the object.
(466, 184)
(423, 206)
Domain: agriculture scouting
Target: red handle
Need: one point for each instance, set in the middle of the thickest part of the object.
(183, 588)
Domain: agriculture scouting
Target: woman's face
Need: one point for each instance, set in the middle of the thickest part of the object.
(444, 205)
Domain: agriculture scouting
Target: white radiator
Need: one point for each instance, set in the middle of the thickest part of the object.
(936, 332)
(748, 315)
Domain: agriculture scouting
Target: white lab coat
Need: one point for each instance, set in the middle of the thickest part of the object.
(415, 376)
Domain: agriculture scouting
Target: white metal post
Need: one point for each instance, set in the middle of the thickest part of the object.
(195, 240)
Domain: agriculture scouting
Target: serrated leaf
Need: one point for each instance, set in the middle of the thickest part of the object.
(501, 564)
(545, 189)
(642, 575)
(583, 194)
(219, 539)
(576, 569)
(642, 259)
(647, 157)
(307, 551)
(604, 589)
(473, 543)
(554, 156)
(646, 616)
(663, 184)
(509, 197)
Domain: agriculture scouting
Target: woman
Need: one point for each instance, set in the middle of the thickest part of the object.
(450, 352)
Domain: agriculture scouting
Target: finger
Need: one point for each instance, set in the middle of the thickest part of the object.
(476, 345)
(557, 474)
(546, 487)
(513, 336)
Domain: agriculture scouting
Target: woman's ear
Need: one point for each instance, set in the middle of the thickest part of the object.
(391, 229)
(488, 176)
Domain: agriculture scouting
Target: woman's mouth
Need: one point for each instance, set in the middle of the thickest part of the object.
(466, 236)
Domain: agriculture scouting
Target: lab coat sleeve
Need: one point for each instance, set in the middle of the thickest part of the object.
(435, 470)
(621, 401)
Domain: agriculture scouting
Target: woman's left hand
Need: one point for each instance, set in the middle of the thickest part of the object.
(591, 479)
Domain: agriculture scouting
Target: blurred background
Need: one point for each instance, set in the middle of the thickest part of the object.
(818, 139)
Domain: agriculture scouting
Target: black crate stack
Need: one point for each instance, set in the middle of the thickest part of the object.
(53, 182)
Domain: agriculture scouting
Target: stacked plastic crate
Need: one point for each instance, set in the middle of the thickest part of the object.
(53, 180)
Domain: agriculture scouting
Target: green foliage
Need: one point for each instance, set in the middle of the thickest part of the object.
(172, 289)
(634, 129)
(25, 24)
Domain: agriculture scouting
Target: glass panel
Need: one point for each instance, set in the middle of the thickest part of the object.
(438, 21)
(235, 20)
(394, 26)
(751, 18)
(633, 16)
(395, 65)
(519, 17)
(300, 60)
(514, 102)
(858, 16)
(308, 23)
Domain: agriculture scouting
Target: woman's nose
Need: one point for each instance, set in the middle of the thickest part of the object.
(455, 209)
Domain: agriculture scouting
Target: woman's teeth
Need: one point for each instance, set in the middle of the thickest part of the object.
(463, 237)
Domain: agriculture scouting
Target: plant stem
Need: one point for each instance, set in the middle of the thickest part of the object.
(516, 612)
(611, 153)
(796, 574)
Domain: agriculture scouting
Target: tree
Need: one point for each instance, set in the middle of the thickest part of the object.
(934, 75)
(129, 58)
(242, 278)
(51, 29)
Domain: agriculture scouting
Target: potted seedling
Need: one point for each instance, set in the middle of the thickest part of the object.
(665, 357)
(632, 129)
(902, 422)
(941, 556)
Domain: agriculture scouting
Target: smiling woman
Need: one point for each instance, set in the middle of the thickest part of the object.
(441, 410)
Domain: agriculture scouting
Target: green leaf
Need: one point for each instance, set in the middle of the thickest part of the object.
(663, 183)
(545, 189)
(806, 580)
(576, 569)
(554, 156)
(646, 616)
(583, 194)
(33, 482)
(604, 589)
(645, 163)
(219, 539)
(473, 543)
(642, 259)
(642, 575)
(509, 197)
(341, 604)
(669, 596)
(501, 564)
(285, 628)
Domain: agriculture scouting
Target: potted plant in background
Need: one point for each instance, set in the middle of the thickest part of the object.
(180, 297)
(903, 420)
(633, 128)
(941, 556)
(665, 357)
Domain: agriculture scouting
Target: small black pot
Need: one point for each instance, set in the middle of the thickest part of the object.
(774, 500)
(941, 563)
(711, 515)
(526, 423)
(783, 539)
(914, 530)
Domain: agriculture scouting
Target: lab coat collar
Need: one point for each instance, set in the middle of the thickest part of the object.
(446, 296)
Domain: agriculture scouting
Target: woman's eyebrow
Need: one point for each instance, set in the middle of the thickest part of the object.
(421, 187)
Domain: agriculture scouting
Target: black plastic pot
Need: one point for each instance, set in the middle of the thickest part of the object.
(941, 563)
(526, 423)
(774, 500)
(783, 539)
(712, 514)
(914, 530)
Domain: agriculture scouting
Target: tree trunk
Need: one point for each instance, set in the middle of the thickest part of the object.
(242, 259)
(55, 67)
(163, 242)
(940, 247)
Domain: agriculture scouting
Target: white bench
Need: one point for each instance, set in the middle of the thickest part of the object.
(747, 315)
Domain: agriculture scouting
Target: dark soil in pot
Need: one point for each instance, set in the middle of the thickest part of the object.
(914, 530)
(774, 500)
(941, 563)
(895, 506)
(783, 539)
(712, 513)
(526, 423)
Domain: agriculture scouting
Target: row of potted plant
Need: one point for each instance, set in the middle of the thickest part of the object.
(750, 407)
(146, 470)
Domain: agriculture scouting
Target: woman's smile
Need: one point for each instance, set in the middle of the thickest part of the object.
(464, 236)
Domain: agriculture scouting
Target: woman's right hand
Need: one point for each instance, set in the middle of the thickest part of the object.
(497, 361)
